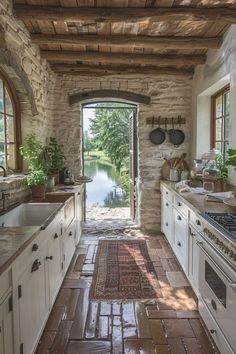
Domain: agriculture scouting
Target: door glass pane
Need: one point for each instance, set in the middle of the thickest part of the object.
(8, 103)
(218, 145)
(219, 129)
(226, 98)
(219, 107)
(1, 96)
(216, 283)
(10, 129)
(11, 156)
(2, 155)
(2, 130)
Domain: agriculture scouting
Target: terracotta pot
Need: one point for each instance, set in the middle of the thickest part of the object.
(38, 192)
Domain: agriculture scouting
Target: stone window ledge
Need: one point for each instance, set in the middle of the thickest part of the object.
(12, 181)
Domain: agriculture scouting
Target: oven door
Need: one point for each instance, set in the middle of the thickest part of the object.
(217, 287)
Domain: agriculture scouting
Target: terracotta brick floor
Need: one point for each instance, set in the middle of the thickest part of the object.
(170, 325)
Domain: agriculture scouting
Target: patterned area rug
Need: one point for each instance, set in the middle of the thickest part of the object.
(123, 271)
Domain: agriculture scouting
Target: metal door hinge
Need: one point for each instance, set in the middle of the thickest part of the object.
(19, 291)
(10, 304)
(22, 348)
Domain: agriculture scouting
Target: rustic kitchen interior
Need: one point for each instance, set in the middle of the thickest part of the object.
(164, 280)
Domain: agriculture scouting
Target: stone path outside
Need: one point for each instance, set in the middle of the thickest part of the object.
(170, 325)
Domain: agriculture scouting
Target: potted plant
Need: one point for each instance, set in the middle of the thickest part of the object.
(56, 157)
(231, 158)
(33, 153)
(37, 181)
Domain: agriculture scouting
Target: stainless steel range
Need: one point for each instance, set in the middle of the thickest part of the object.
(217, 274)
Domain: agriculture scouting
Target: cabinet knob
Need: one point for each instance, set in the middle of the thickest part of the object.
(212, 331)
(179, 217)
(35, 247)
(167, 192)
(70, 233)
(55, 236)
(49, 257)
(167, 204)
(167, 224)
(198, 222)
(179, 204)
(36, 265)
(179, 244)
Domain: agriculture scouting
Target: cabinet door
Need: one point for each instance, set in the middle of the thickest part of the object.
(78, 217)
(54, 265)
(6, 326)
(32, 303)
(193, 264)
(167, 220)
(69, 245)
(180, 246)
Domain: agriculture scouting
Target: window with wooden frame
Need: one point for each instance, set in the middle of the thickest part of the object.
(220, 120)
(9, 125)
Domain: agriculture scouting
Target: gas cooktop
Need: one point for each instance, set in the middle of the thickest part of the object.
(225, 222)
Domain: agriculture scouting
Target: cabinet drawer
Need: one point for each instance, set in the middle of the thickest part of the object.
(181, 206)
(166, 193)
(214, 329)
(5, 282)
(196, 221)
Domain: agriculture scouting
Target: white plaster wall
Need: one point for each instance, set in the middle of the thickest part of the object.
(219, 70)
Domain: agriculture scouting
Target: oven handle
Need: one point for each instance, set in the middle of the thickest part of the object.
(231, 283)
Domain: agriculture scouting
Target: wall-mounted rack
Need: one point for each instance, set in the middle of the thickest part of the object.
(165, 120)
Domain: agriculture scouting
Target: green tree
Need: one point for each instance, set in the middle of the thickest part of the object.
(110, 129)
(88, 142)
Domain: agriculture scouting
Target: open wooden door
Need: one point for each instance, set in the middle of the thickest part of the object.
(133, 161)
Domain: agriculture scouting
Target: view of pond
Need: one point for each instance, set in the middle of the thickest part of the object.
(104, 191)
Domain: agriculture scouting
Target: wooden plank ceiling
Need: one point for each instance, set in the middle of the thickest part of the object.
(104, 37)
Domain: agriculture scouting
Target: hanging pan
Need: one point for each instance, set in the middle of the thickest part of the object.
(157, 136)
(177, 136)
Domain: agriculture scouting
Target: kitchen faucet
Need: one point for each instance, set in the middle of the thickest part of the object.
(4, 171)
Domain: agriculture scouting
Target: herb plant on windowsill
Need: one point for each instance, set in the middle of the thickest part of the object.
(33, 153)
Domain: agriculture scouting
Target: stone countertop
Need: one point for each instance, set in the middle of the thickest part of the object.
(13, 240)
(64, 188)
(197, 202)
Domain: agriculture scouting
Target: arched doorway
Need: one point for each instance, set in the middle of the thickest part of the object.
(113, 184)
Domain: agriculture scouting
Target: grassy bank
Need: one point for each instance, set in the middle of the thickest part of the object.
(97, 155)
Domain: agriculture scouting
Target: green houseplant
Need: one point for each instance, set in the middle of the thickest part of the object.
(33, 153)
(231, 158)
(56, 158)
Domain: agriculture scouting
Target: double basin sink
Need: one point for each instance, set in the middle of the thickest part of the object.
(34, 214)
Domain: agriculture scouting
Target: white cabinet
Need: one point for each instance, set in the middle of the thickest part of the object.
(193, 260)
(54, 265)
(180, 245)
(167, 219)
(32, 303)
(69, 244)
(6, 325)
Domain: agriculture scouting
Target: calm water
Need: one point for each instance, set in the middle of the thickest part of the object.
(104, 191)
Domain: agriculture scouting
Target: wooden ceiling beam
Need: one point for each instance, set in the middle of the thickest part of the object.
(122, 58)
(106, 70)
(129, 14)
(127, 41)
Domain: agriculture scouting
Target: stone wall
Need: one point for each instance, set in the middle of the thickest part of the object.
(170, 96)
(31, 76)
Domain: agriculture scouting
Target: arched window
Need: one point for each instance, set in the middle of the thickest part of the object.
(9, 125)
